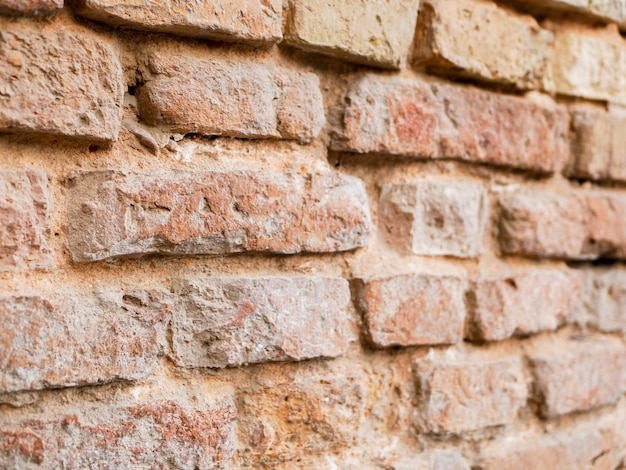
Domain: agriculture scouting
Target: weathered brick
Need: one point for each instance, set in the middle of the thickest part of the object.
(588, 66)
(230, 97)
(30, 7)
(115, 215)
(413, 309)
(223, 322)
(24, 225)
(608, 10)
(230, 20)
(381, 36)
(479, 40)
(584, 225)
(161, 433)
(67, 340)
(400, 116)
(79, 96)
(456, 397)
(604, 299)
(522, 303)
(434, 218)
(577, 374)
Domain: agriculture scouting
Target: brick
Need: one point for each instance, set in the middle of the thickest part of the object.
(412, 118)
(162, 433)
(598, 145)
(413, 309)
(115, 215)
(434, 218)
(523, 303)
(588, 66)
(255, 22)
(584, 225)
(577, 374)
(24, 221)
(604, 300)
(608, 10)
(30, 7)
(481, 41)
(456, 397)
(381, 37)
(78, 97)
(230, 97)
(224, 322)
(68, 340)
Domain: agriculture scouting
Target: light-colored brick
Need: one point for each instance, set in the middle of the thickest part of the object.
(412, 118)
(374, 32)
(479, 40)
(231, 322)
(79, 96)
(604, 299)
(24, 224)
(608, 10)
(413, 309)
(67, 340)
(460, 396)
(113, 215)
(588, 66)
(434, 218)
(230, 97)
(230, 20)
(30, 7)
(577, 374)
(522, 303)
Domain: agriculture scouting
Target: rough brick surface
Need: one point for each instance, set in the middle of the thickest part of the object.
(24, 226)
(456, 397)
(434, 218)
(214, 213)
(584, 225)
(609, 10)
(577, 374)
(479, 40)
(79, 96)
(413, 309)
(162, 433)
(381, 36)
(230, 97)
(230, 20)
(30, 7)
(399, 116)
(588, 66)
(604, 300)
(523, 303)
(68, 340)
(230, 322)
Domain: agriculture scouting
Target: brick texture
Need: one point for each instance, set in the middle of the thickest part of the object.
(24, 224)
(79, 97)
(412, 118)
(381, 37)
(30, 7)
(230, 97)
(230, 20)
(609, 10)
(604, 297)
(69, 340)
(412, 309)
(114, 215)
(230, 322)
(577, 374)
(479, 40)
(434, 218)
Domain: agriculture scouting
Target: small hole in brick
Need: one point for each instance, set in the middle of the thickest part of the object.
(511, 282)
(131, 90)
(93, 148)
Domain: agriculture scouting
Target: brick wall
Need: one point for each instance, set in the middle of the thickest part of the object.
(316, 234)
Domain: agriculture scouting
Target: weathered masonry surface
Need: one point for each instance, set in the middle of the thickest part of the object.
(313, 234)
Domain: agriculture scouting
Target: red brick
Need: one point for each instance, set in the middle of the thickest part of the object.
(434, 217)
(230, 97)
(522, 303)
(604, 300)
(30, 7)
(413, 309)
(223, 322)
(456, 397)
(399, 116)
(24, 224)
(577, 374)
(116, 215)
(79, 96)
(162, 433)
(68, 340)
(231, 20)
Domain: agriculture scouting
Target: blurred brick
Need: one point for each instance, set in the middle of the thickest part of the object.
(30, 7)
(604, 300)
(608, 10)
